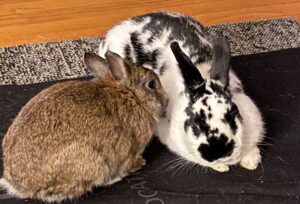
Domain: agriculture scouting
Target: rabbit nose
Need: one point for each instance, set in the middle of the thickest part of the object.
(216, 148)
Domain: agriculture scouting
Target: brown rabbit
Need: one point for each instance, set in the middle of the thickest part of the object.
(79, 134)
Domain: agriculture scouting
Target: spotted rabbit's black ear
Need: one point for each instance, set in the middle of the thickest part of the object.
(220, 60)
(189, 71)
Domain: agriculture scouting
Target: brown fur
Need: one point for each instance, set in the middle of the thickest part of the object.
(78, 134)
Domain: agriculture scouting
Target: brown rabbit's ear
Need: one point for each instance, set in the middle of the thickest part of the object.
(117, 66)
(97, 65)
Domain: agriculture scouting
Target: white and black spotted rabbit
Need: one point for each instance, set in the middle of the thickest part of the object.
(209, 120)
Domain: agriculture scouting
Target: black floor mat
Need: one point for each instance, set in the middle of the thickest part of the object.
(273, 81)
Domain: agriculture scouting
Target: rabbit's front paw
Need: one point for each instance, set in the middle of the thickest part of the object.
(251, 160)
(138, 164)
(220, 167)
(114, 180)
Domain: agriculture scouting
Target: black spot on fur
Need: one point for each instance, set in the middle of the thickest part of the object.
(202, 114)
(200, 122)
(209, 108)
(219, 101)
(153, 58)
(209, 116)
(143, 57)
(196, 121)
(127, 52)
(196, 130)
(214, 131)
(137, 48)
(216, 148)
(230, 116)
(204, 101)
(207, 92)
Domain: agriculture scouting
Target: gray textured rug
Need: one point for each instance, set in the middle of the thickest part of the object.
(26, 64)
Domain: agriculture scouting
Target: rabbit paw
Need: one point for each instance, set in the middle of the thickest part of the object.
(220, 167)
(137, 164)
(251, 160)
(114, 180)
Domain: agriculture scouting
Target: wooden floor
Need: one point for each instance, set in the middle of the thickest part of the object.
(28, 21)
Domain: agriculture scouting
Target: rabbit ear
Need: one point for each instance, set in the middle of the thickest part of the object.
(220, 60)
(96, 65)
(116, 65)
(189, 71)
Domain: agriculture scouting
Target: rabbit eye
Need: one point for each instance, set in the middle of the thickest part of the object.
(151, 84)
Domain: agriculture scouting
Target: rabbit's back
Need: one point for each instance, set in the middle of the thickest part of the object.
(145, 39)
(53, 115)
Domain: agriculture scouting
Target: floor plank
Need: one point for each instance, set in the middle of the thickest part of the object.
(29, 21)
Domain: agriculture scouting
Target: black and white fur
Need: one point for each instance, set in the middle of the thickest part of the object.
(209, 120)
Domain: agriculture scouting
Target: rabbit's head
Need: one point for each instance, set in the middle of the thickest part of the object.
(211, 124)
(142, 82)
